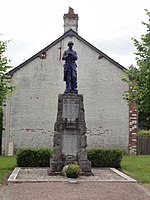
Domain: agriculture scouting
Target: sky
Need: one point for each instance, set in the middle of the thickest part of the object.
(109, 25)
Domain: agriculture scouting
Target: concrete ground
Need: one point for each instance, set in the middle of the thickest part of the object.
(72, 191)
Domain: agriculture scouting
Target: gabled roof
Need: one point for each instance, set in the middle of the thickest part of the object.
(68, 33)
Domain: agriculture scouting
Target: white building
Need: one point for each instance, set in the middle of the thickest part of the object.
(30, 113)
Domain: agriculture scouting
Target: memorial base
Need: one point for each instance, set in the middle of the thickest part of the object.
(70, 141)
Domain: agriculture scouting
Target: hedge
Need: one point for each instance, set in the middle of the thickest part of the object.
(30, 157)
(105, 157)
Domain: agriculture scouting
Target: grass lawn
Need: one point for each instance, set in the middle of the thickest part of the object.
(138, 167)
(6, 164)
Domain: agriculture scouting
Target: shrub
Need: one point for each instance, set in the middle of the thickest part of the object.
(144, 132)
(105, 157)
(29, 157)
(72, 170)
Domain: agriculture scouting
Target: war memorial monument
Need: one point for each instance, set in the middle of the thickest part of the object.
(70, 141)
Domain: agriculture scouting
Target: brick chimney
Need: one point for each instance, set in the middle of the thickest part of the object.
(71, 21)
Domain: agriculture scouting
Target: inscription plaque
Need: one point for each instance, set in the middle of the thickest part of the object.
(70, 109)
(70, 143)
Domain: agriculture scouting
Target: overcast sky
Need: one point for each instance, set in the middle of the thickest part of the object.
(107, 24)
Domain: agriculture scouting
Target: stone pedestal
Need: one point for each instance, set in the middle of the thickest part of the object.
(69, 144)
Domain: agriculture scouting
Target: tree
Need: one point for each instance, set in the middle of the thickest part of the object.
(139, 77)
(5, 86)
(1, 127)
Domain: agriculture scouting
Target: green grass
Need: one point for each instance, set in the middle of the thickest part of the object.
(138, 167)
(6, 164)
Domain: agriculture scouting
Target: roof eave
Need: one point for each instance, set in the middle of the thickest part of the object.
(68, 33)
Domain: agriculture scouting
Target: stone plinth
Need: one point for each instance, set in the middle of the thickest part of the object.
(69, 144)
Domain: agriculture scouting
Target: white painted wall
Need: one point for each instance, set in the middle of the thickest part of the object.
(33, 105)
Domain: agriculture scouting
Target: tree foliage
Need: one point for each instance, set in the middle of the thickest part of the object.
(5, 86)
(139, 77)
(1, 126)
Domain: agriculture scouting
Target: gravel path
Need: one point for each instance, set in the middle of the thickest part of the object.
(1, 191)
(88, 189)
(78, 191)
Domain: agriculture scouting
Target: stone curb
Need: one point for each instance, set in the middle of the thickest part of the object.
(13, 178)
(14, 174)
(128, 178)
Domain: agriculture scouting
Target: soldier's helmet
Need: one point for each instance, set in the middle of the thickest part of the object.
(70, 43)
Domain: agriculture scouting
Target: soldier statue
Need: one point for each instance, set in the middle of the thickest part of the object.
(70, 72)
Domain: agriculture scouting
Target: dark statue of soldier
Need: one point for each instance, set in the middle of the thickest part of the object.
(70, 72)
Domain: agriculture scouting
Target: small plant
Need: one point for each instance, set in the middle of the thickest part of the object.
(72, 170)
(144, 132)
